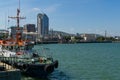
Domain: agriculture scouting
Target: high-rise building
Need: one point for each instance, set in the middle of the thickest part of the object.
(29, 32)
(42, 24)
(29, 28)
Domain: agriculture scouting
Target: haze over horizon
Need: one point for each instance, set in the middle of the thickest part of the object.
(71, 16)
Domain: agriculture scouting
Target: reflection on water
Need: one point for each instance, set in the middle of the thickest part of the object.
(56, 75)
(30, 78)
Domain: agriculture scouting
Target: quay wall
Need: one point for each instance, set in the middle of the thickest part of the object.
(10, 75)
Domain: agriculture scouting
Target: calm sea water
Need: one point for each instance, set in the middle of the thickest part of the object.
(87, 61)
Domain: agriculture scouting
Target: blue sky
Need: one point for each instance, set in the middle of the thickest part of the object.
(72, 16)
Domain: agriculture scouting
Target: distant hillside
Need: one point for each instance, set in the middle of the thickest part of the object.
(56, 33)
(60, 33)
(97, 35)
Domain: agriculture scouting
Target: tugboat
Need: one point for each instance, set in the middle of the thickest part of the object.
(20, 54)
(30, 62)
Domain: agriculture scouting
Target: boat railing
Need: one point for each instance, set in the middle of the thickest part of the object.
(14, 60)
(22, 60)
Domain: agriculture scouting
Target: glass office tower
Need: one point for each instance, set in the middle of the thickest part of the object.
(42, 24)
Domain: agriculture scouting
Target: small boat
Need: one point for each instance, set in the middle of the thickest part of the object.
(30, 62)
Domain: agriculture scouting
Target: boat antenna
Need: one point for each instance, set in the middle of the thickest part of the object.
(18, 17)
(5, 21)
(19, 4)
(105, 34)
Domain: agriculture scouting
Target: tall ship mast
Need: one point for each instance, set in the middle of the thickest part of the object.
(18, 18)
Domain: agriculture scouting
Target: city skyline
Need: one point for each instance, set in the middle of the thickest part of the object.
(74, 16)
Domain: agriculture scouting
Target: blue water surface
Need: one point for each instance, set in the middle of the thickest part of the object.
(84, 61)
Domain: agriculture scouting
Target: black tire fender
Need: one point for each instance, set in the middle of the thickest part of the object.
(56, 64)
(49, 68)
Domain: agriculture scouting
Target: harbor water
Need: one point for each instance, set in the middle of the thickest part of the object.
(84, 61)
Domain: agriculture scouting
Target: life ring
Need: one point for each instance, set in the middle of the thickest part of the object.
(49, 68)
(56, 64)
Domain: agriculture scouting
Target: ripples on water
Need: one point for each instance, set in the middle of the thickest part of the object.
(56, 75)
(59, 75)
(95, 61)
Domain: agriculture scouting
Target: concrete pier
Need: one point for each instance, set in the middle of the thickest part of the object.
(7, 67)
(9, 73)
